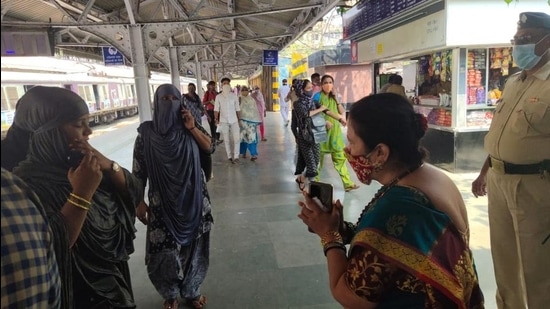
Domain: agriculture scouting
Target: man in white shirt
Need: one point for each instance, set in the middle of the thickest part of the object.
(283, 102)
(227, 115)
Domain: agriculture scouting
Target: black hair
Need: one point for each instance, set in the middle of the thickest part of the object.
(395, 79)
(211, 83)
(315, 75)
(225, 79)
(388, 118)
(191, 84)
(331, 93)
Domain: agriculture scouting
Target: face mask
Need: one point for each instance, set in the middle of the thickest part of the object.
(361, 166)
(244, 93)
(226, 89)
(525, 57)
(309, 93)
(168, 112)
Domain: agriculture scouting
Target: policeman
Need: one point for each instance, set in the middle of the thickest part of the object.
(516, 172)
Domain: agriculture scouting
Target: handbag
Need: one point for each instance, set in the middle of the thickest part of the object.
(313, 129)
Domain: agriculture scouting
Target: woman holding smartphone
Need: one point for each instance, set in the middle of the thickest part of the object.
(410, 245)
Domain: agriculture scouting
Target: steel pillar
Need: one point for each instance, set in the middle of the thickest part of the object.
(198, 74)
(174, 67)
(141, 73)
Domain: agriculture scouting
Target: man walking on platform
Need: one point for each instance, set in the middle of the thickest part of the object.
(283, 101)
(227, 115)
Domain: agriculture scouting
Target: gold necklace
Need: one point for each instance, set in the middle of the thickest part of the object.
(383, 191)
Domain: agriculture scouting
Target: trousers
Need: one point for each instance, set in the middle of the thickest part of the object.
(519, 219)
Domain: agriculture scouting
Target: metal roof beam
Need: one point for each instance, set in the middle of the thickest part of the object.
(131, 9)
(124, 9)
(87, 8)
(239, 40)
(6, 7)
(197, 9)
(176, 22)
(62, 7)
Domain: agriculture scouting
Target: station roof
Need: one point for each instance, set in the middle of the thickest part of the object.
(228, 35)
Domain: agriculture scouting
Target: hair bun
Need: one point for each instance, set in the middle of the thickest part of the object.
(421, 124)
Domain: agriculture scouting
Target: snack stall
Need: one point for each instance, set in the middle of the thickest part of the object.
(460, 70)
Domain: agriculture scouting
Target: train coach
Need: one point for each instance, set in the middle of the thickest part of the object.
(110, 93)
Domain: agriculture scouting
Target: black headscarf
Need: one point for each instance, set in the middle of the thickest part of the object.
(106, 238)
(173, 166)
(39, 111)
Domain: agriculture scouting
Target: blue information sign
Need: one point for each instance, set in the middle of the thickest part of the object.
(271, 57)
(112, 56)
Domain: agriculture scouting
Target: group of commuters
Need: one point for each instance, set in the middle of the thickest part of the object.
(68, 211)
(308, 99)
(410, 246)
(240, 120)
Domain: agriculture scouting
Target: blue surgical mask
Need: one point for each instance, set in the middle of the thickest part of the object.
(525, 57)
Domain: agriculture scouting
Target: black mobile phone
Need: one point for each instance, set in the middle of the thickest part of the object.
(74, 158)
(323, 192)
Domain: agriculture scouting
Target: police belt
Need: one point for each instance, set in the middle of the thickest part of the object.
(519, 169)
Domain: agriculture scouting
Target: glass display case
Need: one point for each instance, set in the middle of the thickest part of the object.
(460, 115)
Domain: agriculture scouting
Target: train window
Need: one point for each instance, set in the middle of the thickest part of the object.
(121, 91)
(129, 92)
(5, 105)
(10, 96)
(86, 93)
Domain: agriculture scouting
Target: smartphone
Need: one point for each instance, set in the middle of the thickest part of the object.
(74, 158)
(323, 192)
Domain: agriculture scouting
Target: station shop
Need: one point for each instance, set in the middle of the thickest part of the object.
(453, 70)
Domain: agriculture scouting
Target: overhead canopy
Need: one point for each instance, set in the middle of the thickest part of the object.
(228, 36)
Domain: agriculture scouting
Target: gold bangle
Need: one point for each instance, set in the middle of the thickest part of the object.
(78, 205)
(80, 198)
(331, 236)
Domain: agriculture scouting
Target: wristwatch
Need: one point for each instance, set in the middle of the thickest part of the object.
(115, 168)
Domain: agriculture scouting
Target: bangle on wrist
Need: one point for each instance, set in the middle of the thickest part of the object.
(331, 236)
(332, 245)
(193, 128)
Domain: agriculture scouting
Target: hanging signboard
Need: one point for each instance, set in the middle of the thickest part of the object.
(112, 56)
(271, 57)
(367, 13)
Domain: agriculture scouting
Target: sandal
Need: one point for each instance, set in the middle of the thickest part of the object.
(199, 303)
(254, 158)
(351, 188)
(171, 304)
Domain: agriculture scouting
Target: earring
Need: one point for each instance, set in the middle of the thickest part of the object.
(378, 167)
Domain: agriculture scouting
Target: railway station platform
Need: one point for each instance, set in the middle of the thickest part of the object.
(262, 255)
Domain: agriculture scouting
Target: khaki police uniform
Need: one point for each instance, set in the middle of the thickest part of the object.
(519, 204)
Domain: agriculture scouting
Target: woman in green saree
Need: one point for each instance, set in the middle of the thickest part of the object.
(409, 248)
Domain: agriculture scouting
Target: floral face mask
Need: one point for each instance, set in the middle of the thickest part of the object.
(362, 166)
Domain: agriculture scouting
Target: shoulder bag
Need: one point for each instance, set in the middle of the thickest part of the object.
(313, 129)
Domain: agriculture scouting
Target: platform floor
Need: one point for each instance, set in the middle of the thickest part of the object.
(262, 255)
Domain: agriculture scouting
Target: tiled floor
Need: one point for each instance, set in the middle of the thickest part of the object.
(262, 255)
